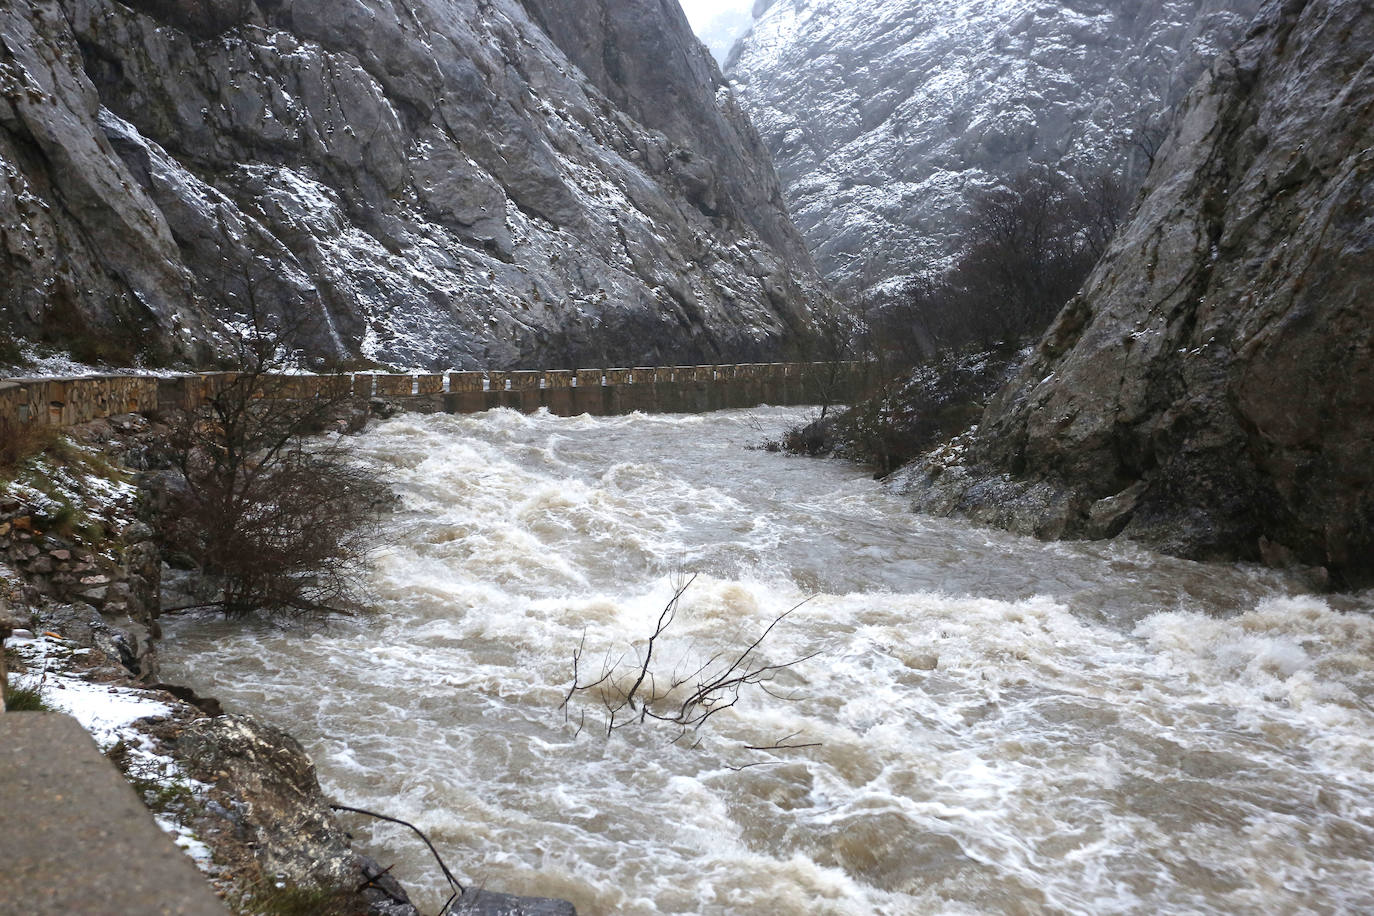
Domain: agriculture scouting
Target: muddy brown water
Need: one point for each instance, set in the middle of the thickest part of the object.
(1001, 725)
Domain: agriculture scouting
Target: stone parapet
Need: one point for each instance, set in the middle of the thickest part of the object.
(395, 386)
(461, 382)
(679, 389)
(526, 379)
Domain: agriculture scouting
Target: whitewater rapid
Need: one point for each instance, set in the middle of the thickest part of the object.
(1002, 725)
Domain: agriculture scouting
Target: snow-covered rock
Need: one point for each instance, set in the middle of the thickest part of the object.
(1210, 391)
(885, 117)
(437, 183)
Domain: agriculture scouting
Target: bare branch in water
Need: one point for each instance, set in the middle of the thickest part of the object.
(692, 693)
(448, 875)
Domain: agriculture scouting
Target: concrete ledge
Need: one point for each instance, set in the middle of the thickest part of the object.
(75, 839)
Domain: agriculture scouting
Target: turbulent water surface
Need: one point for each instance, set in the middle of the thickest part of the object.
(1001, 725)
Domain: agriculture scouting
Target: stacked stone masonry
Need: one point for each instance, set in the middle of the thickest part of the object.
(665, 389)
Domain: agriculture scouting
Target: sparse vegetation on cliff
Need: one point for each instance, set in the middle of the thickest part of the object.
(940, 345)
(907, 415)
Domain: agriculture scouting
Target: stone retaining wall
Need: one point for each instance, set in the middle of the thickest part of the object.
(565, 392)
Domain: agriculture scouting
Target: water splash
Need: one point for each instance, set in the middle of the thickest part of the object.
(1004, 725)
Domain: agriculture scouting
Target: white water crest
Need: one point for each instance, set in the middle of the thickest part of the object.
(1003, 725)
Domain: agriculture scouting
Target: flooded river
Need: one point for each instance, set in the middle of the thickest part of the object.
(1000, 725)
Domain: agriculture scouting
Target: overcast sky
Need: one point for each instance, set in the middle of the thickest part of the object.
(719, 22)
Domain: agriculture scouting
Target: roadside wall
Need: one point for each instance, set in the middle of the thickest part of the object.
(564, 392)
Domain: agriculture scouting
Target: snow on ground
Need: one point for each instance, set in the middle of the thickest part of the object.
(105, 710)
(47, 485)
(39, 362)
(185, 838)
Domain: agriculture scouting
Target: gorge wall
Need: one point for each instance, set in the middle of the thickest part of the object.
(887, 119)
(1211, 389)
(431, 183)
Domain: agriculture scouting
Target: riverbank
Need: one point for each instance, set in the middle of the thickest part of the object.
(83, 576)
(81, 588)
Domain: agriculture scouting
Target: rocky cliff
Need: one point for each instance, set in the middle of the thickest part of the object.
(1211, 389)
(885, 119)
(438, 182)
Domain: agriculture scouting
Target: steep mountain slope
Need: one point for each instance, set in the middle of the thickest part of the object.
(885, 117)
(1211, 389)
(438, 182)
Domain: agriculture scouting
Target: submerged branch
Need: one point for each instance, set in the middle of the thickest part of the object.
(448, 875)
(710, 687)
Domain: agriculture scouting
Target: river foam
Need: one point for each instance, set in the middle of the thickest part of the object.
(1000, 725)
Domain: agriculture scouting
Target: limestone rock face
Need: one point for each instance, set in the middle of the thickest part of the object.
(1211, 389)
(292, 830)
(436, 183)
(885, 119)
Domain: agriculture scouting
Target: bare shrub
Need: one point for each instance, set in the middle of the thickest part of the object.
(632, 691)
(274, 517)
(904, 417)
(20, 442)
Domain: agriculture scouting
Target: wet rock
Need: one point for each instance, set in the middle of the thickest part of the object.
(1211, 389)
(383, 408)
(118, 647)
(269, 806)
(1109, 515)
(77, 622)
(285, 816)
(134, 644)
(383, 893)
(208, 705)
(138, 531)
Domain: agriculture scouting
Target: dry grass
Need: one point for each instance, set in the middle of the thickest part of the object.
(19, 444)
(24, 699)
(299, 901)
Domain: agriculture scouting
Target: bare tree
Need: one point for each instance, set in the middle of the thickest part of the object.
(1096, 211)
(274, 517)
(833, 338)
(1147, 137)
(899, 331)
(1030, 244)
(634, 691)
